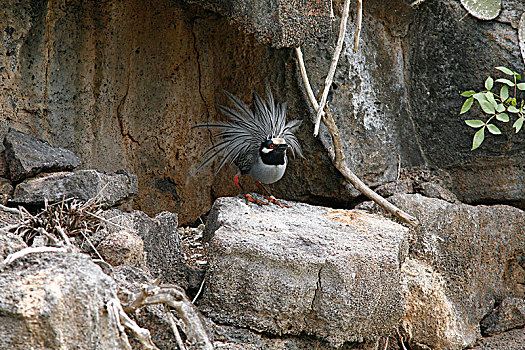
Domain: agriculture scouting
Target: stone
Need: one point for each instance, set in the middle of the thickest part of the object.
(395, 187)
(6, 190)
(508, 315)
(110, 189)
(152, 317)
(123, 247)
(162, 244)
(512, 340)
(4, 168)
(462, 259)
(332, 274)
(282, 23)
(27, 156)
(9, 243)
(436, 190)
(56, 301)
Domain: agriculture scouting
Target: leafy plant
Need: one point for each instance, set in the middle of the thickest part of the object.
(496, 106)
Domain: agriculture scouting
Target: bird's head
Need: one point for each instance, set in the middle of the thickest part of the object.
(273, 151)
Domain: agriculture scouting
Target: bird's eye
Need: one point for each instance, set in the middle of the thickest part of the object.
(271, 146)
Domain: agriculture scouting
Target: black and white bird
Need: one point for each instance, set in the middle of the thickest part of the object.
(256, 141)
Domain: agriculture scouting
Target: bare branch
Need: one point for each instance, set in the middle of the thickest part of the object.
(333, 65)
(117, 314)
(174, 297)
(10, 210)
(338, 157)
(358, 24)
(30, 250)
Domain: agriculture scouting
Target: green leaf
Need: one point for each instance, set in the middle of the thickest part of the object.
(518, 124)
(466, 105)
(505, 81)
(521, 86)
(518, 77)
(505, 70)
(493, 129)
(480, 96)
(479, 136)
(512, 109)
(474, 123)
(500, 108)
(489, 83)
(503, 117)
(490, 97)
(504, 93)
(487, 107)
(468, 93)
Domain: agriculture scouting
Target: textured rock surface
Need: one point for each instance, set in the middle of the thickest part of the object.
(279, 23)
(9, 243)
(27, 156)
(162, 243)
(508, 315)
(463, 259)
(110, 189)
(123, 247)
(56, 301)
(6, 190)
(329, 273)
(513, 340)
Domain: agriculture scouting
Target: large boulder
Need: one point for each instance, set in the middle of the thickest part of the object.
(108, 189)
(462, 261)
(56, 301)
(311, 270)
(27, 156)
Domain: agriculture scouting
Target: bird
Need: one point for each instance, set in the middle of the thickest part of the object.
(255, 141)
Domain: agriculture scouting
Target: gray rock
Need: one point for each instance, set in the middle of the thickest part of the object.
(123, 247)
(56, 301)
(435, 190)
(512, 340)
(9, 243)
(6, 190)
(279, 23)
(110, 189)
(4, 168)
(310, 270)
(27, 156)
(508, 315)
(395, 187)
(162, 244)
(462, 260)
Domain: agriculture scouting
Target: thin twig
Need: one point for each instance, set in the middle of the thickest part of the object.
(30, 250)
(333, 65)
(338, 157)
(175, 330)
(199, 292)
(386, 343)
(358, 24)
(401, 339)
(63, 234)
(10, 210)
(91, 245)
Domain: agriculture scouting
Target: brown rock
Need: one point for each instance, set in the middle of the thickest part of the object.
(123, 247)
(6, 190)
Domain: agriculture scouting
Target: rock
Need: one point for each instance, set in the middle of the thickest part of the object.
(27, 156)
(56, 301)
(333, 274)
(458, 56)
(435, 190)
(462, 260)
(110, 189)
(123, 247)
(513, 340)
(6, 190)
(9, 243)
(280, 23)
(4, 168)
(395, 187)
(152, 317)
(508, 315)
(162, 243)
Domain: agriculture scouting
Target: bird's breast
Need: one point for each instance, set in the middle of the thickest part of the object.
(267, 174)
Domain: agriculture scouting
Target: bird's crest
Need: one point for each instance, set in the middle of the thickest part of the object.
(247, 129)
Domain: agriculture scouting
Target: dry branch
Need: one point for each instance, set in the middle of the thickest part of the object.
(174, 297)
(338, 157)
(358, 24)
(333, 65)
(30, 250)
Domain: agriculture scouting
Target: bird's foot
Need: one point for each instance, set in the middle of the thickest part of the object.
(272, 199)
(249, 198)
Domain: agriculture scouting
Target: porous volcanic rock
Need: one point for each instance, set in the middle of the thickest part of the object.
(329, 273)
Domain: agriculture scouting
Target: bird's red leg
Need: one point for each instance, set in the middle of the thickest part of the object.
(247, 195)
(270, 198)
